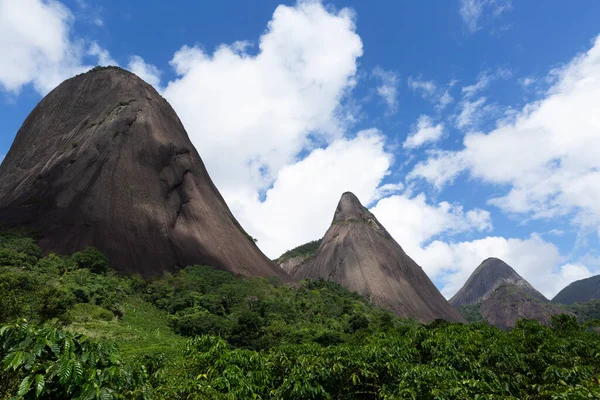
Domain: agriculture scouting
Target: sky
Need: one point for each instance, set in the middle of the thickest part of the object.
(470, 128)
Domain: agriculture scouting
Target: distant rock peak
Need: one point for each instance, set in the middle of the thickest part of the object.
(487, 277)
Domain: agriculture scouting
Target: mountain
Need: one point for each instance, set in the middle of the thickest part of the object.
(358, 253)
(103, 160)
(579, 291)
(496, 293)
(486, 278)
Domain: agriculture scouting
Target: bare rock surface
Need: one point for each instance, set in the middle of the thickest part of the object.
(290, 265)
(487, 277)
(103, 160)
(358, 253)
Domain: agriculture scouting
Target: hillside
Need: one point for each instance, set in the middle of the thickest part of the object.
(579, 291)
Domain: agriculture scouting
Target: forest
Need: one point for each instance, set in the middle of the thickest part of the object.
(72, 328)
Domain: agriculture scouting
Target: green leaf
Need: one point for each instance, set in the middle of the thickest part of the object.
(40, 383)
(16, 361)
(77, 370)
(24, 386)
(65, 370)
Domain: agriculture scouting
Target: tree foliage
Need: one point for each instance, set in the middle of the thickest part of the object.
(251, 338)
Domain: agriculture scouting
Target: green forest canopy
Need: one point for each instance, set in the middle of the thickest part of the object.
(71, 328)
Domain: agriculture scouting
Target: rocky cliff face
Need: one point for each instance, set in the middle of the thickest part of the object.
(489, 275)
(502, 296)
(580, 291)
(361, 255)
(104, 161)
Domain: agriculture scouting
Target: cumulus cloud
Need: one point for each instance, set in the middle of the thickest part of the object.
(425, 132)
(37, 46)
(147, 72)
(300, 205)
(423, 230)
(473, 12)
(412, 221)
(254, 117)
(546, 155)
(536, 260)
(388, 89)
(251, 115)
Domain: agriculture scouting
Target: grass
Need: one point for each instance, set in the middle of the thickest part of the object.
(144, 329)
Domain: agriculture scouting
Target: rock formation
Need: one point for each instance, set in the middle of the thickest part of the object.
(358, 253)
(579, 291)
(488, 276)
(104, 161)
(502, 296)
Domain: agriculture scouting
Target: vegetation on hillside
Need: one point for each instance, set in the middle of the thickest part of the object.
(585, 311)
(73, 329)
(304, 250)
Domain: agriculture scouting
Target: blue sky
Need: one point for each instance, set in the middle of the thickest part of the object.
(469, 127)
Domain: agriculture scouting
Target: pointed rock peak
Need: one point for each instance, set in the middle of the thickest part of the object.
(487, 277)
(359, 254)
(349, 207)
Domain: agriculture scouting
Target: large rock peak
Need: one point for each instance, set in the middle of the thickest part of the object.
(358, 253)
(103, 160)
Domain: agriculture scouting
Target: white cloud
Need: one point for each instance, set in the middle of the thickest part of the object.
(148, 72)
(426, 88)
(388, 89)
(473, 11)
(527, 81)
(445, 100)
(250, 115)
(484, 81)
(547, 155)
(472, 112)
(425, 132)
(104, 57)
(536, 260)
(300, 205)
(430, 91)
(413, 222)
(440, 168)
(253, 117)
(37, 46)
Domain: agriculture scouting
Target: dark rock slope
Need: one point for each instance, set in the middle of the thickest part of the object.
(104, 161)
(360, 254)
(502, 296)
(579, 291)
(488, 276)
